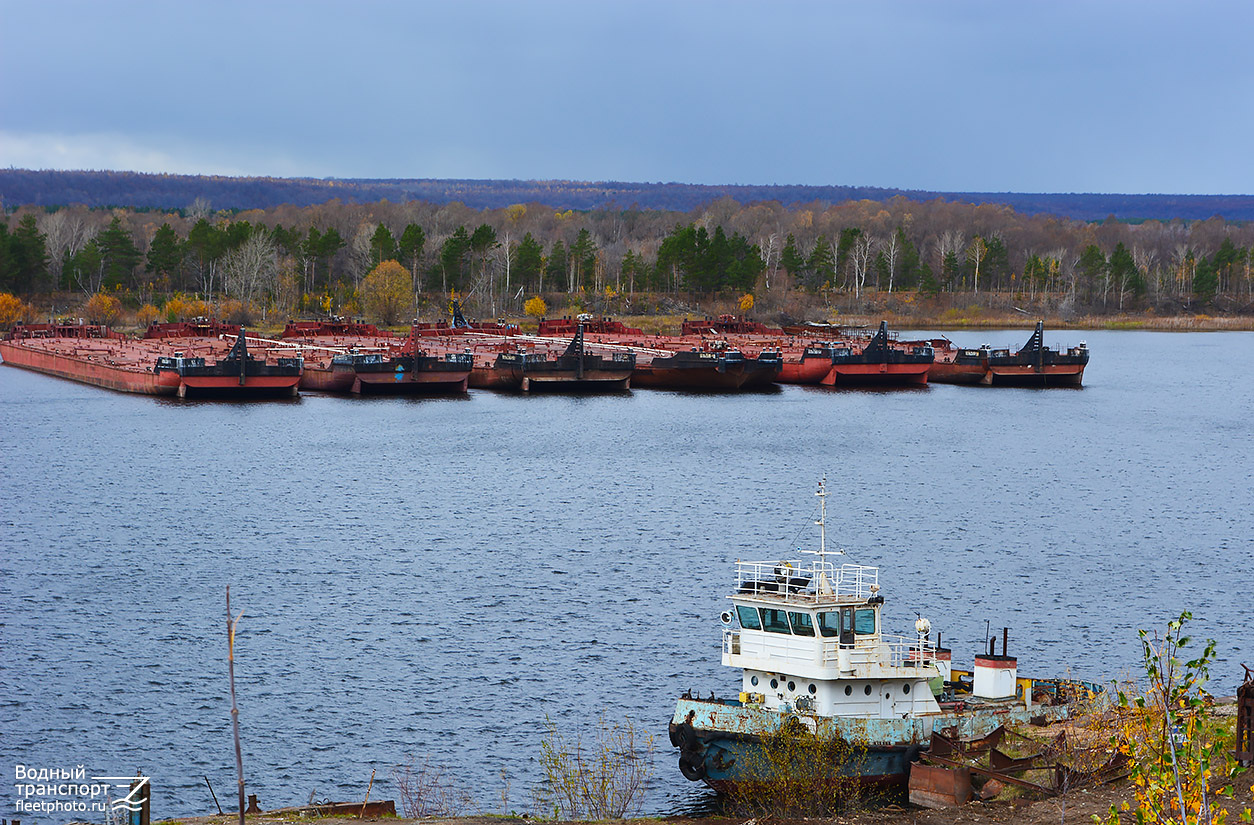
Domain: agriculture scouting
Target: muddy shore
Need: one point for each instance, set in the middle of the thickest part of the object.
(1078, 807)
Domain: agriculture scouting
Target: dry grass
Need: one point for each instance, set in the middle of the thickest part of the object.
(801, 774)
(426, 790)
(603, 778)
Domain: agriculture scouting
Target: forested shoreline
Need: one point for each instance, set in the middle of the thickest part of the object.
(113, 188)
(389, 261)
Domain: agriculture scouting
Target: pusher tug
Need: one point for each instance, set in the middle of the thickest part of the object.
(807, 635)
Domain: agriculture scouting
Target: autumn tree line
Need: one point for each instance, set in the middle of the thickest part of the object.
(391, 261)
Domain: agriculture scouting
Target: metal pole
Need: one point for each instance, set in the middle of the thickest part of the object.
(214, 795)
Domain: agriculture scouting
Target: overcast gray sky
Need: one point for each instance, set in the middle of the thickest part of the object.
(958, 96)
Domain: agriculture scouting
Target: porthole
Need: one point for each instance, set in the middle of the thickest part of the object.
(792, 687)
(868, 690)
(753, 680)
(905, 688)
(813, 690)
(774, 684)
(848, 690)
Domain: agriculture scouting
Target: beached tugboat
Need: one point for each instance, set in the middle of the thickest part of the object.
(815, 659)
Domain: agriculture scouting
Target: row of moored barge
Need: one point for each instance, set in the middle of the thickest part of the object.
(206, 357)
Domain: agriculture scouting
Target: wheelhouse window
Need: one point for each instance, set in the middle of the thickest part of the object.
(829, 623)
(774, 621)
(748, 618)
(864, 621)
(801, 624)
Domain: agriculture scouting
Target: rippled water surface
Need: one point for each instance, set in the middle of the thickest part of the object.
(435, 578)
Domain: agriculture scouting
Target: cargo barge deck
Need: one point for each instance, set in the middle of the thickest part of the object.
(158, 364)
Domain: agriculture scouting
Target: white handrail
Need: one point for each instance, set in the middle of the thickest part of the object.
(802, 581)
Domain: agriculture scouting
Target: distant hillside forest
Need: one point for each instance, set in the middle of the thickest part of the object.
(24, 187)
(389, 260)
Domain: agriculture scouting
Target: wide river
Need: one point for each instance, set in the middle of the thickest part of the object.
(437, 578)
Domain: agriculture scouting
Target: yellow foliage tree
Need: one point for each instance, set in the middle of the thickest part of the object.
(175, 309)
(515, 212)
(235, 311)
(387, 292)
(197, 309)
(536, 307)
(746, 303)
(1180, 756)
(147, 314)
(12, 310)
(102, 309)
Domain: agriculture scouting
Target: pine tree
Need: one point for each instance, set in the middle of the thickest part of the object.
(1091, 269)
(746, 264)
(382, 246)
(928, 285)
(330, 243)
(165, 255)
(410, 247)
(583, 260)
(821, 268)
(451, 268)
(26, 258)
(1205, 281)
(555, 265)
(910, 263)
(529, 262)
(848, 237)
(950, 269)
(118, 253)
(1125, 274)
(789, 258)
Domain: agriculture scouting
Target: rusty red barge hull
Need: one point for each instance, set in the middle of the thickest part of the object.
(1036, 365)
(803, 370)
(121, 379)
(354, 357)
(158, 364)
(1033, 376)
(842, 375)
(676, 374)
(412, 382)
(505, 359)
(336, 379)
(951, 372)
(232, 386)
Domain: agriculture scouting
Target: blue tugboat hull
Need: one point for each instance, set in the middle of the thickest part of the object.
(721, 741)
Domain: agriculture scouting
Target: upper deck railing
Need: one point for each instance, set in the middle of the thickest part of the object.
(807, 581)
(865, 656)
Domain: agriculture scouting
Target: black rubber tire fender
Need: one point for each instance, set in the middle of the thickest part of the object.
(692, 766)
